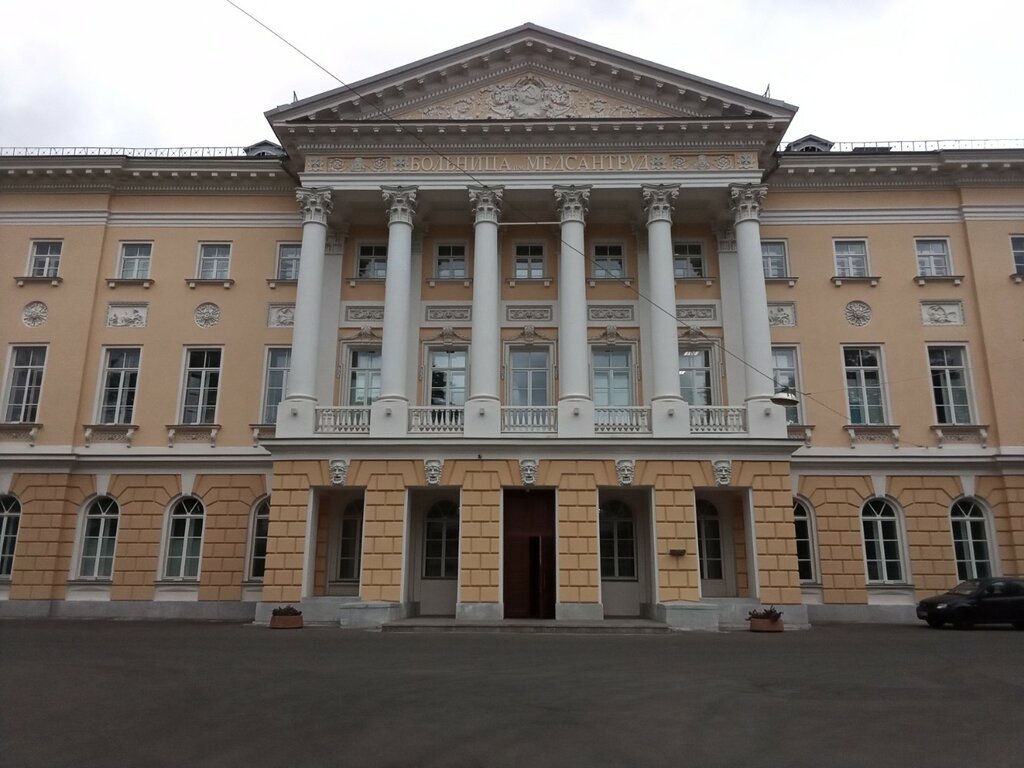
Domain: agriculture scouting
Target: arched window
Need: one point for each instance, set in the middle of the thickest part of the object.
(258, 551)
(351, 545)
(970, 540)
(185, 540)
(441, 542)
(10, 517)
(99, 536)
(618, 542)
(883, 543)
(805, 542)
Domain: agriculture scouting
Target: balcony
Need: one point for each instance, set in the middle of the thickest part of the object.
(436, 420)
(529, 419)
(622, 420)
(348, 420)
(717, 420)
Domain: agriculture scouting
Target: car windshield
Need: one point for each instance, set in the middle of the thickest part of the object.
(968, 587)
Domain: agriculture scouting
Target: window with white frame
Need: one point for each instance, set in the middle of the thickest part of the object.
(864, 395)
(774, 258)
(617, 531)
(24, 384)
(184, 540)
(441, 541)
(883, 542)
(529, 377)
(10, 518)
(696, 379)
(612, 377)
(609, 261)
(1017, 249)
(214, 261)
(99, 537)
(450, 263)
(260, 535)
(288, 261)
(933, 258)
(803, 528)
(851, 258)
(350, 545)
(529, 261)
(136, 260)
(448, 376)
(372, 263)
(969, 525)
(120, 382)
(364, 376)
(786, 377)
(202, 384)
(950, 385)
(279, 361)
(688, 260)
(45, 261)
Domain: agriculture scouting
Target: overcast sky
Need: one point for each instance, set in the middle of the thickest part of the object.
(142, 73)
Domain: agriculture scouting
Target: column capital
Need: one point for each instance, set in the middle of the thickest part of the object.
(315, 203)
(572, 202)
(658, 199)
(486, 203)
(401, 204)
(745, 200)
(726, 239)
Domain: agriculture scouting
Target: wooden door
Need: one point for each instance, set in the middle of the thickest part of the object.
(529, 542)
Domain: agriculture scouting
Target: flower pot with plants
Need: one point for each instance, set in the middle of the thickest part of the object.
(286, 617)
(765, 619)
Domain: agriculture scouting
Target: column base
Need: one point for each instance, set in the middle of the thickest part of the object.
(479, 611)
(765, 419)
(389, 418)
(670, 417)
(482, 417)
(296, 417)
(576, 417)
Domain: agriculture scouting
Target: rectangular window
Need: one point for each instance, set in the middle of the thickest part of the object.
(135, 261)
(529, 262)
(214, 261)
(260, 537)
(364, 377)
(948, 369)
(441, 543)
(863, 366)
(99, 538)
(851, 258)
(202, 382)
(695, 379)
(618, 543)
(373, 262)
(120, 380)
(279, 360)
(450, 263)
(45, 258)
(688, 260)
(784, 372)
(933, 258)
(774, 258)
(24, 384)
(288, 261)
(609, 261)
(1017, 247)
(612, 379)
(528, 377)
(350, 546)
(448, 377)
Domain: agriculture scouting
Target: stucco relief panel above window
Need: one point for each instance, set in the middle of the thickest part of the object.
(362, 314)
(697, 314)
(438, 314)
(34, 314)
(207, 315)
(280, 315)
(942, 313)
(127, 315)
(539, 312)
(782, 314)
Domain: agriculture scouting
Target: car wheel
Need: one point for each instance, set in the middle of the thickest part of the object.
(935, 623)
(962, 620)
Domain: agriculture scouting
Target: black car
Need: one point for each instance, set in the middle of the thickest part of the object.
(995, 600)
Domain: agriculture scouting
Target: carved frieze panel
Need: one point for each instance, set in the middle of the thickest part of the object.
(533, 312)
(782, 314)
(442, 314)
(127, 315)
(942, 313)
(697, 314)
(364, 314)
(280, 315)
(605, 312)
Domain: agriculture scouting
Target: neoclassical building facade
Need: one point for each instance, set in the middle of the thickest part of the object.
(527, 329)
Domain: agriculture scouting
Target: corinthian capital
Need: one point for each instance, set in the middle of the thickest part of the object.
(401, 204)
(486, 203)
(658, 201)
(572, 202)
(315, 204)
(745, 200)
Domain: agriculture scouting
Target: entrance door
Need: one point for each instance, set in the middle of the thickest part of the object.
(529, 540)
(714, 547)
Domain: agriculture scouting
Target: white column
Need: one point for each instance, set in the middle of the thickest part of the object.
(764, 419)
(297, 413)
(732, 316)
(390, 413)
(483, 408)
(575, 406)
(669, 412)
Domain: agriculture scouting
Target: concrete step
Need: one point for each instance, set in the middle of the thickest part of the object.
(530, 626)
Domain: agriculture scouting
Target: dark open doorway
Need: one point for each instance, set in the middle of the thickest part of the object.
(529, 538)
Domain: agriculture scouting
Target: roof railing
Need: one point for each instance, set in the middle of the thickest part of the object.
(156, 152)
(929, 145)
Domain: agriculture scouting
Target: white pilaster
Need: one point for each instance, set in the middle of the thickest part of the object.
(483, 408)
(732, 316)
(763, 418)
(295, 416)
(669, 414)
(575, 406)
(390, 413)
